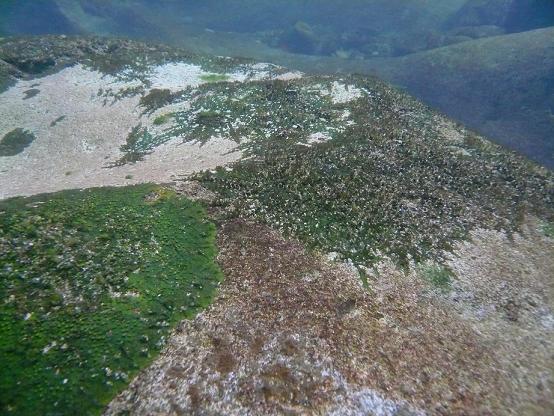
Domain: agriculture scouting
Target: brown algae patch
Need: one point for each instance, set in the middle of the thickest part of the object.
(291, 333)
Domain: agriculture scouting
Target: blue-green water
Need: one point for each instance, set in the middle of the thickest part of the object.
(486, 63)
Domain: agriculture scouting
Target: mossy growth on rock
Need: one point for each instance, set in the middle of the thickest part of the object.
(214, 77)
(15, 142)
(388, 186)
(548, 229)
(438, 276)
(155, 99)
(257, 115)
(5, 79)
(162, 119)
(134, 148)
(91, 282)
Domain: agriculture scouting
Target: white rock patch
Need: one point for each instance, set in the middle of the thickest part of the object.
(177, 76)
(75, 151)
(342, 93)
(318, 138)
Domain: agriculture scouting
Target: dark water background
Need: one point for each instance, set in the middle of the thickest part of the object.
(486, 63)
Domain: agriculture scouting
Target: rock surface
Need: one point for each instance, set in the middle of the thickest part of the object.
(291, 333)
(378, 258)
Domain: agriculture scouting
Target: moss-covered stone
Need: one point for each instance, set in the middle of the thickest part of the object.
(214, 77)
(91, 282)
(162, 119)
(390, 185)
(438, 276)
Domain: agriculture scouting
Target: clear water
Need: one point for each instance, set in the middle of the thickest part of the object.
(486, 63)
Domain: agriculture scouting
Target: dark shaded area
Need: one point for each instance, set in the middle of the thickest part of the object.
(15, 142)
(530, 14)
(501, 86)
(512, 15)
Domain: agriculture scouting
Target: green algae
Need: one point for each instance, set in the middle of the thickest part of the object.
(162, 119)
(438, 276)
(214, 77)
(91, 284)
(5, 83)
(388, 186)
(257, 115)
(134, 148)
(155, 99)
(548, 229)
(15, 142)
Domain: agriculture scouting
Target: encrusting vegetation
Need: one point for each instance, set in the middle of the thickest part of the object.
(439, 276)
(339, 223)
(91, 282)
(257, 115)
(15, 142)
(389, 185)
(214, 77)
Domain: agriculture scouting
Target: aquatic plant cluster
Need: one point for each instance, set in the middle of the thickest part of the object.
(91, 282)
(255, 115)
(391, 185)
(15, 142)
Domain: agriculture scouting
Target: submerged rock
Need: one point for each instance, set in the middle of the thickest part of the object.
(435, 299)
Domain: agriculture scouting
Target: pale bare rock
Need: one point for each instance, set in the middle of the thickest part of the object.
(504, 287)
(78, 135)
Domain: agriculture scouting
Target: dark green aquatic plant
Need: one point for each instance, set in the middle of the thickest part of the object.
(214, 77)
(162, 119)
(257, 115)
(91, 282)
(548, 229)
(155, 99)
(137, 145)
(15, 142)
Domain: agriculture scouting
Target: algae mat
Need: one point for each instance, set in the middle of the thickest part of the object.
(91, 282)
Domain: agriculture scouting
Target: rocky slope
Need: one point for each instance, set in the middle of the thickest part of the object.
(377, 257)
(481, 62)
